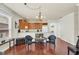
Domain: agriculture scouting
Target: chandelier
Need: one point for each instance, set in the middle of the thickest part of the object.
(35, 7)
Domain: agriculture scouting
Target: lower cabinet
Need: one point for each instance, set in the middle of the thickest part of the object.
(20, 41)
(3, 48)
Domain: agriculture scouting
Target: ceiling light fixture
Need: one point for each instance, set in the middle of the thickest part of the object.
(35, 7)
(30, 6)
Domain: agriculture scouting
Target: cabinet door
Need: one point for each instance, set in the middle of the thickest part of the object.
(20, 41)
(38, 25)
(22, 24)
(31, 25)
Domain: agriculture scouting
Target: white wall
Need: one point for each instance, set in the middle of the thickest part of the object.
(67, 28)
(3, 20)
(77, 5)
(50, 28)
(75, 24)
(58, 28)
(78, 20)
(14, 16)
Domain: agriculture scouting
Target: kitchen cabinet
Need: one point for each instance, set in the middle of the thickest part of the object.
(32, 26)
(20, 41)
(35, 26)
(23, 24)
(38, 25)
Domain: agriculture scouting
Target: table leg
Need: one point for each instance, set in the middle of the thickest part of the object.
(9, 44)
(68, 51)
(13, 42)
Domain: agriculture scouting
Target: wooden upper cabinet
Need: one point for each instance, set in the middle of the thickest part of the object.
(35, 26)
(22, 24)
(38, 25)
(31, 26)
(45, 24)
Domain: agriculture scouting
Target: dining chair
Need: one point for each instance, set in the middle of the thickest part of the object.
(74, 49)
(52, 39)
(28, 40)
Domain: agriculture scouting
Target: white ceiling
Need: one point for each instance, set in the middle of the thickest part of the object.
(50, 11)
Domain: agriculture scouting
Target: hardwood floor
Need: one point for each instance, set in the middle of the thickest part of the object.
(40, 49)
